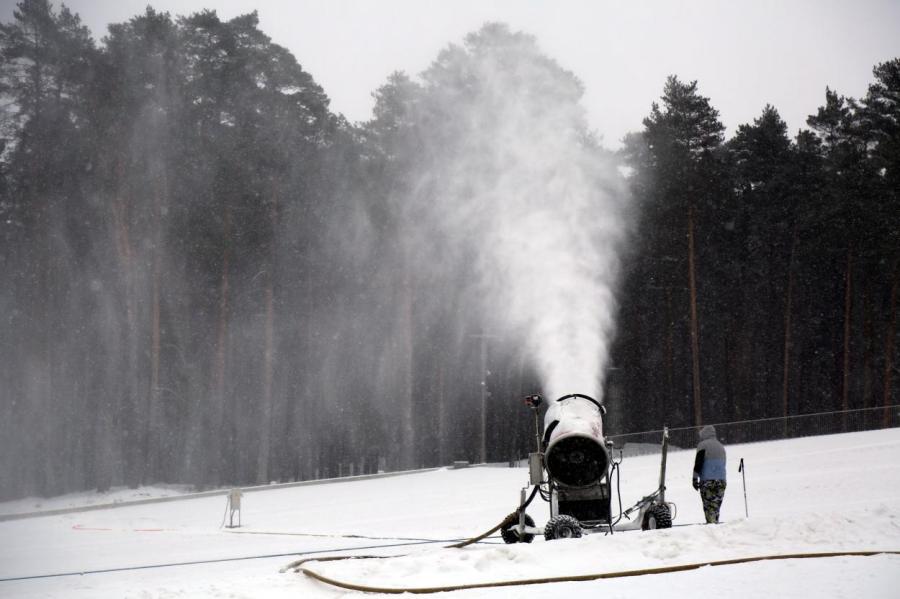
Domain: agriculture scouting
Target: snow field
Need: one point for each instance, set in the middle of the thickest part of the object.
(830, 493)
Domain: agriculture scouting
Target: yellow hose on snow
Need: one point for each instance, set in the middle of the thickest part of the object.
(299, 567)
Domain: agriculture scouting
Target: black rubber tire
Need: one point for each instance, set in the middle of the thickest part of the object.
(562, 527)
(658, 516)
(510, 535)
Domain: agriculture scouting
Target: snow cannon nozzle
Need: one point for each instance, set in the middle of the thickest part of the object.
(575, 448)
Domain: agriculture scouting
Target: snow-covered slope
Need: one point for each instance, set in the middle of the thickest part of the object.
(830, 493)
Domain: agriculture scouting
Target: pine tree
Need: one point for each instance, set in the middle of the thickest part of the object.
(846, 218)
(681, 138)
(880, 115)
(47, 61)
(762, 246)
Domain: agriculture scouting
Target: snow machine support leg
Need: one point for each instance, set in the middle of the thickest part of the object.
(662, 466)
(518, 527)
(522, 499)
(653, 511)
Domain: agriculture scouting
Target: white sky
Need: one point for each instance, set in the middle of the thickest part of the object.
(744, 53)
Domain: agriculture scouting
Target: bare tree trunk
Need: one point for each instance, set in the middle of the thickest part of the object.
(151, 414)
(128, 404)
(442, 417)
(889, 348)
(217, 383)
(848, 298)
(407, 436)
(265, 433)
(130, 427)
(788, 312)
(301, 423)
(152, 423)
(731, 371)
(43, 386)
(482, 452)
(46, 381)
(695, 335)
(265, 436)
(670, 367)
(868, 330)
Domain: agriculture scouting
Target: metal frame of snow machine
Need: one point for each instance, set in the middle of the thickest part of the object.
(572, 470)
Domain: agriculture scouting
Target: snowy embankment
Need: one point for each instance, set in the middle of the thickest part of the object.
(822, 494)
(28, 505)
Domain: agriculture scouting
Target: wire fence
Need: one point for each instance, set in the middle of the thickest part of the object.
(765, 429)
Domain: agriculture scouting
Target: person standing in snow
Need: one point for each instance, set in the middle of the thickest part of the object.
(709, 473)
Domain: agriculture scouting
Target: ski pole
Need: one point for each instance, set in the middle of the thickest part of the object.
(743, 472)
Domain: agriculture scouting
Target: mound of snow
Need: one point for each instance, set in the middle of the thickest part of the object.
(89, 498)
(873, 529)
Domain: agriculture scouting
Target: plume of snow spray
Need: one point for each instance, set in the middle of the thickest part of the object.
(516, 184)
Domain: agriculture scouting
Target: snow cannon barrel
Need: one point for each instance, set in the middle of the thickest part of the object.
(575, 453)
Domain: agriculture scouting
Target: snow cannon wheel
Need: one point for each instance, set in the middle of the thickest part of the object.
(562, 527)
(658, 516)
(510, 533)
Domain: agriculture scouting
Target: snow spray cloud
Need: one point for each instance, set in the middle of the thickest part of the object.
(511, 180)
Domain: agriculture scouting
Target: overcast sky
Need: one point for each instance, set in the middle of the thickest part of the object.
(744, 53)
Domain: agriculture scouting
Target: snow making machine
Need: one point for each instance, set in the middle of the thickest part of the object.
(573, 469)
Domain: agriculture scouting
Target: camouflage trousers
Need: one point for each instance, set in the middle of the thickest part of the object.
(712, 492)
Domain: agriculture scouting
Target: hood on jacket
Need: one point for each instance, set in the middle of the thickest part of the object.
(707, 432)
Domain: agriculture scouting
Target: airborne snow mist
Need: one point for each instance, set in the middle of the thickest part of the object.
(510, 185)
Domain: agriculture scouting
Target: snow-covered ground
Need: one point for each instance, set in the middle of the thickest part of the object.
(830, 493)
(75, 500)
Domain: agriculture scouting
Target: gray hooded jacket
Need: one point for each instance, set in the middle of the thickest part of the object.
(710, 461)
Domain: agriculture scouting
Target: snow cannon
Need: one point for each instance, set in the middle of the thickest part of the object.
(575, 452)
(573, 471)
